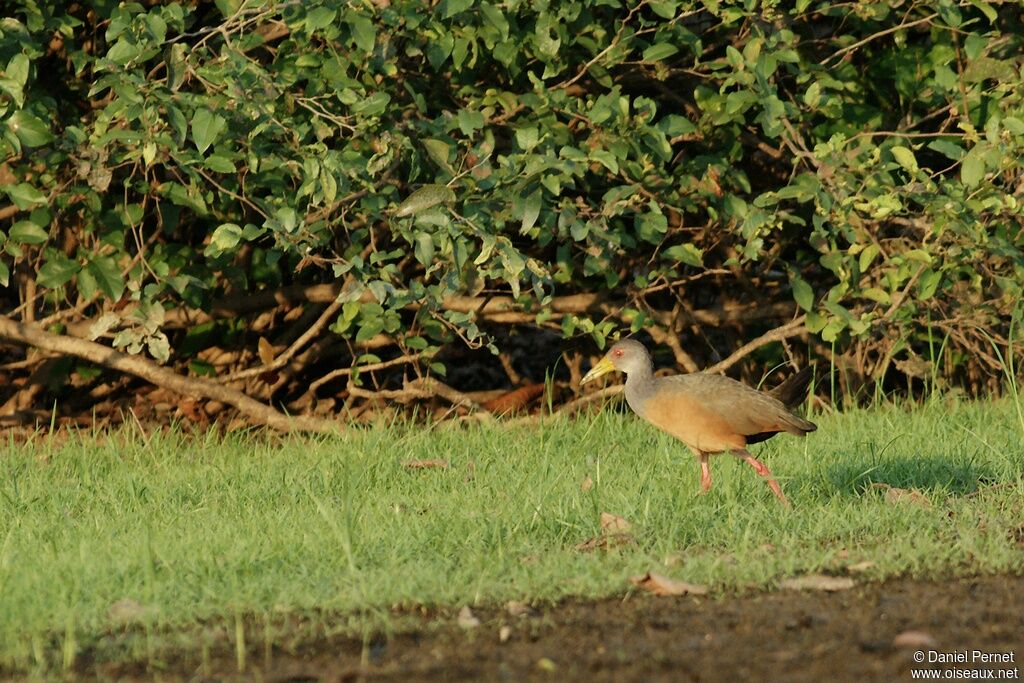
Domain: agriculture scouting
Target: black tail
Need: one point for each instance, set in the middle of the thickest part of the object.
(793, 390)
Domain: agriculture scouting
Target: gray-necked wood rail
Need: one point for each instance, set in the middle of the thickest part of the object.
(709, 413)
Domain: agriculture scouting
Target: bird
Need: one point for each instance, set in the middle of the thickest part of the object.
(710, 413)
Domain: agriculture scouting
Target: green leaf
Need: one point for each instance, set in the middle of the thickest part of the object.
(206, 127)
(531, 210)
(905, 158)
(1014, 125)
(666, 9)
(547, 44)
(659, 51)
(57, 271)
(107, 276)
(30, 129)
(673, 125)
(364, 33)
(527, 137)
(812, 96)
(438, 151)
(423, 248)
(948, 149)
(424, 198)
(469, 121)
(868, 255)
(177, 68)
(495, 18)
(802, 292)
(651, 225)
(225, 238)
(27, 232)
(370, 329)
(986, 9)
(877, 294)
(928, 283)
(17, 69)
(319, 18)
(686, 253)
(5, 274)
(87, 285)
(972, 172)
(219, 164)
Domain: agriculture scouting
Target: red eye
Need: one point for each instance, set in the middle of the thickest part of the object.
(617, 353)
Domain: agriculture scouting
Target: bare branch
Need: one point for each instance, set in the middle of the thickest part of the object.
(36, 336)
(794, 328)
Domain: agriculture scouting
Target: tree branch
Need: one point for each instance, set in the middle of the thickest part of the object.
(36, 336)
(794, 328)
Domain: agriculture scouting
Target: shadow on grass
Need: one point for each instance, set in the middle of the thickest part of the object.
(927, 473)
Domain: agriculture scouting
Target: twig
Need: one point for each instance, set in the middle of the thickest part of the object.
(286, 355)
(454, 396)
(341, 372)
(793, 328)
(861, 43)
(421, 389)
(611, 46)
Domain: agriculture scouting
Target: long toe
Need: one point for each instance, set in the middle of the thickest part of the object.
(766, 474)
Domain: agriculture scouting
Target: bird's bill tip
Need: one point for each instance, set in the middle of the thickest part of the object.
(603, 367)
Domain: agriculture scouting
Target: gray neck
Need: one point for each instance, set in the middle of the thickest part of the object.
(639, 386)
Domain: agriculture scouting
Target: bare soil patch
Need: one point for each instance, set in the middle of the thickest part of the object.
(868, 633)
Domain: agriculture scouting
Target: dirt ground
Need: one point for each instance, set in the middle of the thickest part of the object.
(868, 633)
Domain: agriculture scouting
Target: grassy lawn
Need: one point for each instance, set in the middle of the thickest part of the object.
(167, 531)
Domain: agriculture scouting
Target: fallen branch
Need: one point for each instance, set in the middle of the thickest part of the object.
(34, 335)
(421, 389)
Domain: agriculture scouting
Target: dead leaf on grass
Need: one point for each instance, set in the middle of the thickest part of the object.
(860, 567)
(586, 484)
(662, 585)
(614, 534)
(426, 464)
(605, 542)
(467, 619)
(818, 582)
(894, 494)
(613, 524)
(915, 639)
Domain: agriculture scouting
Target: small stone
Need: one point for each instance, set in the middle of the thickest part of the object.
(518, 609)
(916, 639)
(467, 619)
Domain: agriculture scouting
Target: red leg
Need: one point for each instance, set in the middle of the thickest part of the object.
(705, 473)
(763, 470)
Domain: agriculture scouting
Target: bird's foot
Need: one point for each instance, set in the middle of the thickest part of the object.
(763, 470)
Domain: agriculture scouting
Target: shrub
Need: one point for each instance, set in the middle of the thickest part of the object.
(696, 169)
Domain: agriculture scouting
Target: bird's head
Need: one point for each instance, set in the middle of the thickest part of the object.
(627, 356)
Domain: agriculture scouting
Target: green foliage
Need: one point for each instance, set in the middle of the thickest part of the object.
(859, 160)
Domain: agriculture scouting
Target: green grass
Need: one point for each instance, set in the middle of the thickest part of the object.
(220, 530)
